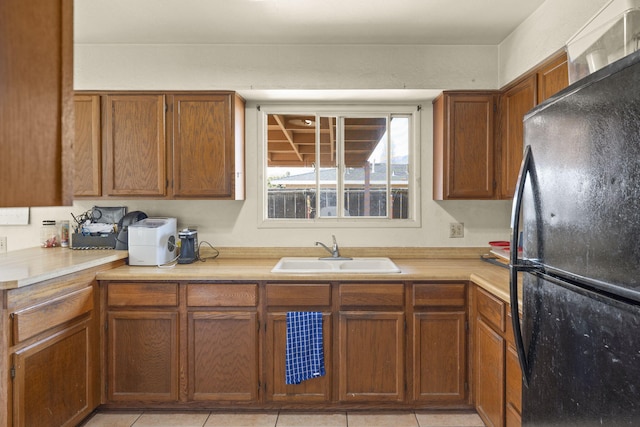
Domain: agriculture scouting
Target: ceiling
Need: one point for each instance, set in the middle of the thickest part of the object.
(442, 22)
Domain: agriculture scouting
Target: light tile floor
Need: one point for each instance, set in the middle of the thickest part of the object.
(284, 419)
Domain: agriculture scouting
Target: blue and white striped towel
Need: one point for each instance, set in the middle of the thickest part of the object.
(305, 355)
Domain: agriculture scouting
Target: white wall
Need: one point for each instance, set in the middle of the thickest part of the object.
(254, 69)
(542, 34)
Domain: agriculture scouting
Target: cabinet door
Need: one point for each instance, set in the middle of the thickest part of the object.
(203, 146)
(515, 102)
(135, 141)
(87, 149)
(513, 389)
(36, 102)
(371, 349)
(313, 390)
(223, 356)
(553, 77)
(53, 380)
(142, 356)
(439, 358)
(489, 377)
(464, 146)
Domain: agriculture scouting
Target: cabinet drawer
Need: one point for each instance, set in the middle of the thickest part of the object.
(220, 295)
(492, 309)
(439, 295)
(142, 294)
(367, 295)
(36, 319)
(299, 295)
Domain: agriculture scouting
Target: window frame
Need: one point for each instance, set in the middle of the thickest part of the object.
(342, 111)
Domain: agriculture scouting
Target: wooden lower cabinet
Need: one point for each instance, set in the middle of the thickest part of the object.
(513, 408)
(310, 391)
(223, 345)
(371, 347)
(50, 351)
(371, 342)
(497, 378)
(143, 356)
(440, 343)
(490, 378)
(142, 341)
(280, 299)
(222, 355)
(171, 342)
(52, 384)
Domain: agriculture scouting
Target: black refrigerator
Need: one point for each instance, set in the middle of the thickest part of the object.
(576, 216)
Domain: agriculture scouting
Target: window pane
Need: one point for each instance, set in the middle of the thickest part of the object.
(291, 153)
(339, 165)
(365, 161)
(399, 167)
(328, 167)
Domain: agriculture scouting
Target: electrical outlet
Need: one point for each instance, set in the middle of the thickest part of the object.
(3, 244)
(456, 229)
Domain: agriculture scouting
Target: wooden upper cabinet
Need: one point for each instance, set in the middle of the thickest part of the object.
(87, 149)
(552, 76)
(514, 104)
(160, 145)
(463, 143)
(135, 162)
(478, 135)
(205, 143)
(36, 105)
(515, 101)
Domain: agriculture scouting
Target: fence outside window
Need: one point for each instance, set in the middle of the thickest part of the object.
(301, 203)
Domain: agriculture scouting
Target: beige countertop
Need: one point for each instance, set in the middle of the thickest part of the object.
(493, 278)
(28, 266)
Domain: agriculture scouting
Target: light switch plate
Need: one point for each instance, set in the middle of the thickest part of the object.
(14, 216)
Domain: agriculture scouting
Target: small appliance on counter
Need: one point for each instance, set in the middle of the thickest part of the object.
(188, 246)
(122, 240)
(152, 241)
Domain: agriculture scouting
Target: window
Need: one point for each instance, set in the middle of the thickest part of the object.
(340, 166)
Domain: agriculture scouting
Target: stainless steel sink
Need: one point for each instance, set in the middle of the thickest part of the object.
(306, 265)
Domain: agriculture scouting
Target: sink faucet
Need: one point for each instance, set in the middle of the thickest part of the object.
(334, 251)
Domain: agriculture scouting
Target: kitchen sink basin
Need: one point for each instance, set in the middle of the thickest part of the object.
(306, 265)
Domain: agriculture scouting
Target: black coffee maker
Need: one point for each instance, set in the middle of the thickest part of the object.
(188, 246)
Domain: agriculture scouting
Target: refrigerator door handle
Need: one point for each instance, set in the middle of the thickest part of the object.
(515, 266)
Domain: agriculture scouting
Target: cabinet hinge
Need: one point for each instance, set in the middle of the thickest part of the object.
(466, 325)
(495, 107)
(13, 372)
(466, 386)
